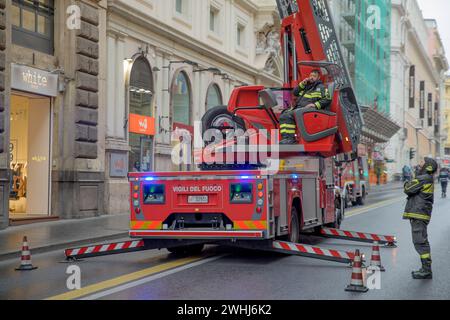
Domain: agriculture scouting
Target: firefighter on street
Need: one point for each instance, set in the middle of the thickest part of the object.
(420, 192)
(443, 179)
(311, 93)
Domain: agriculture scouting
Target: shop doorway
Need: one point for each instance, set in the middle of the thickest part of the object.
(141, 118)
(30, 154)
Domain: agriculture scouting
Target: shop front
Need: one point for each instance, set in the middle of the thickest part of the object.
(30, 141)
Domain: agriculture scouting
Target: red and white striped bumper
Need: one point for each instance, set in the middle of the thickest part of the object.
(105, 249)
(200, 235)
(357, 236)
(313, 252)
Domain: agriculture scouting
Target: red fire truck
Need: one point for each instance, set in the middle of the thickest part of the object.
(241, 202)
(353, 180)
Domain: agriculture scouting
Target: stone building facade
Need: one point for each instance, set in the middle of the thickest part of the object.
(90, 90)
(418, 79)
(52, 108)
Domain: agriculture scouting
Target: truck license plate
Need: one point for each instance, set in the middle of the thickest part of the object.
(198, 199)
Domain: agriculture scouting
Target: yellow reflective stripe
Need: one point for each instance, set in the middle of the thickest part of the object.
(429, 168)
(301, 85)
(425, 256)
(250, 225)
(417, 216)
(290, 126)
(413, 184)
(318, 105)
(327, 94)
(313, 95)
(428, 188)
(288, 131)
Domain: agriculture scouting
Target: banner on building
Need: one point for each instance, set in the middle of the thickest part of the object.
(430, 109)
(422, 100)
(142, 124)
(412, 86)
(436, 118)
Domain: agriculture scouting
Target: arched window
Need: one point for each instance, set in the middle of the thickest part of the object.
(140, 123)
(213, 97)
(181, 99)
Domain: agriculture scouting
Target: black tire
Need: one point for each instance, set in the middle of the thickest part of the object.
(361, 200)
(212, 118)
(187, 250)
(339, 215)
(294, 232)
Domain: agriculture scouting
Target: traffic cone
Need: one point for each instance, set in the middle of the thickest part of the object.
(357, 282)
(25, 263)
(375, 261)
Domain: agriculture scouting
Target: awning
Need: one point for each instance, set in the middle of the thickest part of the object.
(378, 127)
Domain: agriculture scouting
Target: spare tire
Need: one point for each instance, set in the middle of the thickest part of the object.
(221, 119)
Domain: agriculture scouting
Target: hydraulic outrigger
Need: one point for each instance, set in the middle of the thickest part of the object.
(76, 254)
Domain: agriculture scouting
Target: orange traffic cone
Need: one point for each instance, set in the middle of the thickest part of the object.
(357, 282)
(25, 263)
(376, 257)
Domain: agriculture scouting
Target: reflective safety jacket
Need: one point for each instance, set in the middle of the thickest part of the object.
(313, 93)
(420, 193)
(444, 176)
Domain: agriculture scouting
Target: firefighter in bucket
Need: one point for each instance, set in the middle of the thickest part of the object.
(310, 93)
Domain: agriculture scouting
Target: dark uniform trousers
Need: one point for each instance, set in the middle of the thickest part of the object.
(420, 238)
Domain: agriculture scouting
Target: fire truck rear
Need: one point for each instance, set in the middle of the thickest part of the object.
(353, 180)
(231, 205)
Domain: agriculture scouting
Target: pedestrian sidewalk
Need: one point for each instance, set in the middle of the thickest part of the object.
(48, 236)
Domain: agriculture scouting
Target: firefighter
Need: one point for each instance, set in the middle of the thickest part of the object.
(420, 192)
(443, 179)
(311, 93)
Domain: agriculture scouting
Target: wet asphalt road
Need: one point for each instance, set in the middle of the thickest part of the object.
(224, 273)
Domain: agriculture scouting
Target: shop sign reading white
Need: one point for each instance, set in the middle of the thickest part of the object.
(34, 80)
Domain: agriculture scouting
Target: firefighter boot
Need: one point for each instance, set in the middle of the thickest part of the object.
(286, 141)
(425, 272)
(288, 136)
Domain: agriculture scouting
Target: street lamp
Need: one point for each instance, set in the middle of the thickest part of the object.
(212, 69)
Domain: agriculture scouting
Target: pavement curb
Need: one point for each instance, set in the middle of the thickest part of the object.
(61, 246)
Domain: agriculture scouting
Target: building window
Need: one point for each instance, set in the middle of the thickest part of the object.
(214, 20)
(181, 99)
(33, 22)
(213, 97)
(180, 6)
(140, 107)
(447, 151)
(240, 36)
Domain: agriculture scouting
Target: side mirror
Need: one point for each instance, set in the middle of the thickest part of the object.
(268, 98)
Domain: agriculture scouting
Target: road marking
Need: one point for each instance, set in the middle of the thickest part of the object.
(155, 273)
(149, 279)
(374, 206)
